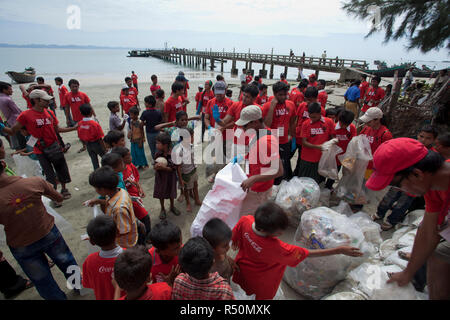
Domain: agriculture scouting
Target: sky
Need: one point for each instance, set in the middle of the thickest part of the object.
(310, 26)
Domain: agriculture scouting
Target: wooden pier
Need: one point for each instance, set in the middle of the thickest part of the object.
(203, 58)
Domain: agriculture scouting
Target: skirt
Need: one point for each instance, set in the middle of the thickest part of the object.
(165, 185)
(138, 155)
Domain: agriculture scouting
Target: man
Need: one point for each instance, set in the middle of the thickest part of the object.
(352, 96)
(279, 115)
(9, 113)
(312, 80)
(374, 95)
(408, 164)
(42, 126)
(408, 80)
(324, 56)
(47, 88)
(249, 77)
(262, 163)
(364, 87)
(31, 231)
(134, 77)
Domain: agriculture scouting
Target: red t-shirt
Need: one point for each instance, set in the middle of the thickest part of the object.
(40, 125)
(363, 87)
(27, 99)
(282, 115)
(438, 201)
(207, 95)
(262, 260)
(172, 106)
(261, 99)
(74, 101)
(154, 88)
(133, 91)
(159, 266)
(134, 77)
(155, 291)
(260, 161)
(322, 98)
(90, 130)
(284, 81)
(312, 84)
(62, 93)
(376, 138)
(373, 98)
(235, 112)
(344, 135)
(248, 79)
(127, 102)
(316, 133)
(223, 105)
(131, 173)
(302, 115)
(97, 275)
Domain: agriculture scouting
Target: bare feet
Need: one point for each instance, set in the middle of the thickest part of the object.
(198, 203)
(188, 208)
(180, 198)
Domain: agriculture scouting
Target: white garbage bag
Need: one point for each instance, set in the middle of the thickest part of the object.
(345, 296)
(296, 196)
(325, 195)
(413, 219)
(239, 293)
(224, 201)
(62, 224)
(407, 240)
(343, 208)
(394, 258)
(372, 278)
(323, 228)
(327, 164)
(371, 229)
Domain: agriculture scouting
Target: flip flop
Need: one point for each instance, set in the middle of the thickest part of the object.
(66, 194)
(29, 284)
(82, 150)
(67, 147)
(57, 204)
(163, 215)
(175, 211)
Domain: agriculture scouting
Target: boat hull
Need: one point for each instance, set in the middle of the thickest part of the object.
(21, 77)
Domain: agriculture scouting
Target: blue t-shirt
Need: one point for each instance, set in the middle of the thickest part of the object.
(121, 184)
(353, 93)
(152, 118)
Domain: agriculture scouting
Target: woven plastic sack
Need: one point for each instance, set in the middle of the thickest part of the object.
(327, 163)
(224, 201)
(296, 196)
(354, 161)
(323, 228)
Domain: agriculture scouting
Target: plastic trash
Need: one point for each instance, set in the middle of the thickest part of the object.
(280, 294)
(324, 199)
(327, 163)
(224, 201)
(239, 293)
(323, 228)
(407, 239)
(62, 224)
(394, 258)
(345, 296)
(354, 161)
(343, 208)
(413, 219)
(296, 196)
(27, 167)
(372, 278)
(371, 229)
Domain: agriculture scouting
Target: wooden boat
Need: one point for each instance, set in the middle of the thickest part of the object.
(23, 77)
(389, 72)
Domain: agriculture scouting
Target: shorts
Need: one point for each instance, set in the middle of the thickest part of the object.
(443, 251)
(189, 185)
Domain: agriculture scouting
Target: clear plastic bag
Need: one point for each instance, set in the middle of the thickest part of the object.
(27, 167)
(296, 196)
(354, 162)
(371, 229)
(62, 224)
(343, 208)
(239, 293)
(327, 163)
(224, 201)
(323, 228)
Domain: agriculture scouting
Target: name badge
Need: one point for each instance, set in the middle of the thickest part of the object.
(32, 141)
(247, 167)
(281, 131)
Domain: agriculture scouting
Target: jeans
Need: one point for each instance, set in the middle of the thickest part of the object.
(151, 139)
(285, 156)
(396, 200)
(35, 265)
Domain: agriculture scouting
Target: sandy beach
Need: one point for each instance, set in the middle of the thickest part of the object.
(80, 167)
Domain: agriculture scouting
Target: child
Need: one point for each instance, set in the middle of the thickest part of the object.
(127, 100)
(114, 138)
(262, 96)
(132, 274)
(331, 113)
(315, 131)
(229, 94)
(150, 118)
(28, 150)
(165, 175)
(62, 90)
(344, 131)
(198, 97)
(197, 283)
(399, 201)
(174, 103)
(154, 87)
(166, 240)
(160, 96)
(98, 267)
(187, 172)
(117, 204)
(322, 96)
(115, 161)
(91, 134)
(219, 234)
(114, 120)
(172, 128)
(131, 179)
(443, 145)
(137, 138)
(262, 257)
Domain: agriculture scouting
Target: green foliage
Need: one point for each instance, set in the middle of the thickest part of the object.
(426, 23)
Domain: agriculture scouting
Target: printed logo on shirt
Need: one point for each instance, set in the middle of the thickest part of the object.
(42, 122)
(282, 112)
(317, 131)
(342, 137)
(370, 138)
(305, 114)
(178, 106)
(104, 269)
(252, 243)
(76, 99)
(86, 127)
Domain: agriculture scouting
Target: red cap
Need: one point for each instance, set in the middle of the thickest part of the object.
(393, 156)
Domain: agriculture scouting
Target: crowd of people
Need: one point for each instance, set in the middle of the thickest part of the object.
(141, 260)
